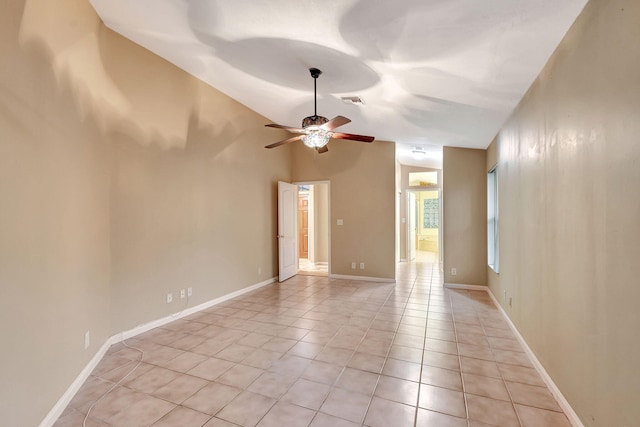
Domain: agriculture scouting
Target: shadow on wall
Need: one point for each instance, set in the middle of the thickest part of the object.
(125, 89)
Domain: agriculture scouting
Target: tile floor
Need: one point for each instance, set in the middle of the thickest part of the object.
(320, 352)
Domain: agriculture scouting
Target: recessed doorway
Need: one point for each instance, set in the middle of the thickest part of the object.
(313, 228)
(424, 226)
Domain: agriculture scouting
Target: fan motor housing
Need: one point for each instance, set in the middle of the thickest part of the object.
(314, 121)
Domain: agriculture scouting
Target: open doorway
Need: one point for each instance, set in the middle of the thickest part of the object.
(313, 228)
(424, 226)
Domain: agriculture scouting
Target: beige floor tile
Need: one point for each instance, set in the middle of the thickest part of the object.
(401, 369)
(146, 411)
(520, 374)
(90, 391)
(246, 409)
(408, 354)
(181, 417)
(262, 359)
(480, 367)
(324, 420)
(358, 381)
(240, 376)
(336, 356)
(397, 390)
(285, 414)
(428, 418)
(485, 386)
(512, 357)
(475, 351)
(152, 380)
(344, 404)
(116, 401)
(211, 368)
(443, 400)
(441, 377)
(384, 413)
(271, 385)
(290, 365)
(185, 362)
(366, 362)
(441, 346)
(217, 422)
(536, 417)
(306, 349)
(322, 372)
(441, 360)
(180, 389)
(279, 345)
(235, 353)
(308, 394)
(529, 395)
(491, 411)
(211, 398)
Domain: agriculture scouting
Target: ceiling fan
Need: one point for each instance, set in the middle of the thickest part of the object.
(316, 131)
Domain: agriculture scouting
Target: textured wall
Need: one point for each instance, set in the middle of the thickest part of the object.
(362, 194)
(464, 212)
(569, 208)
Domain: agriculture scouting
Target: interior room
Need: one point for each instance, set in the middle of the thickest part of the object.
(468, 203)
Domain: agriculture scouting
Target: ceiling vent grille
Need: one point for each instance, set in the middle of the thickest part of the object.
(355, 100)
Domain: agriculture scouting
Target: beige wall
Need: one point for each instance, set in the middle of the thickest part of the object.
(464, 214)
(569, 176)
(362, 195)
(321, 222)
(121, 179)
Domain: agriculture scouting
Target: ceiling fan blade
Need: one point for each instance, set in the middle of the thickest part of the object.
(361, 138)
(323, 149)
(335, 122)
(289, 128)
(284, 141)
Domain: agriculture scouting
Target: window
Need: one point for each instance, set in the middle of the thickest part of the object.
(493, 249)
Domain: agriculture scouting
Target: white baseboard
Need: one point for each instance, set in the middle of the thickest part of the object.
(362, 278)
(62, 403)
(553, 388)
(467, 287)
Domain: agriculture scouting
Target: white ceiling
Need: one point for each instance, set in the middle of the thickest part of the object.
(432, 73)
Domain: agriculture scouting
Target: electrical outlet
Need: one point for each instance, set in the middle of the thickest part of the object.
(259, 271)
(87, 340)
(510, 302)
(169, 298)
(189, 292)
(183, 293)
(353, 265)
(362, 266)
(505, 295)
(454, 271)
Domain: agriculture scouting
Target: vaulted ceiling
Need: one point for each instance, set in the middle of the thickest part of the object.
(432, 73)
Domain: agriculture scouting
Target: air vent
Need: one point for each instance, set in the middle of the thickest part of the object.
(356, 100)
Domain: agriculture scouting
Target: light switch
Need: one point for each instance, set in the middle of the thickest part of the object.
(340, 222)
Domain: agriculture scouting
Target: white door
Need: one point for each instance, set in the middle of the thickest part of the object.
(287, 230)
(413, 225)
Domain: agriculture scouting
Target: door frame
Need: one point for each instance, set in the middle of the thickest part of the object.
(284, 239)
(440, 233)
(328, 183)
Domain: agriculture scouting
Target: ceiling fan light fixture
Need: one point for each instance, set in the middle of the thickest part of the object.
(316, 139)
(418, 153)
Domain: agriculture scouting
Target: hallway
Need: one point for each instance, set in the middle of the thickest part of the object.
(315, 351)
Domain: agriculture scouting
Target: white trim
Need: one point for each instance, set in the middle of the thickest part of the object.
(553, 388)
(362, 278)
(62, 403)
(467, 287)
(64, 400)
